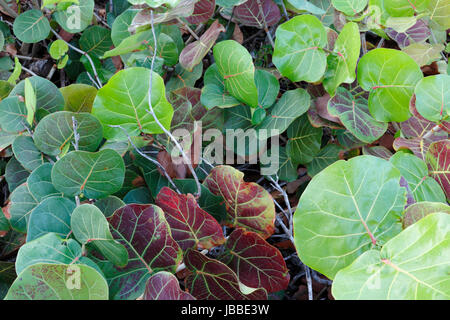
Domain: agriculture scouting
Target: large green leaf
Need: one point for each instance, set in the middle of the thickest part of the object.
(304, 140)
(15, 174)
(31, 26)
(390, 76)
(26, 153)
(213, 93)
(13, 113)
(94, 174)
(298, 50)
(124, 101)
(235, 65)
(412, 265)
(347, 209)
(89, 225)
(96, 40)
(405, 8)
(77, 17)
(54, 134)
(350, 7)
(119, 28)
(22, 204)
(59, 282)
(433, 97)
(342, 62)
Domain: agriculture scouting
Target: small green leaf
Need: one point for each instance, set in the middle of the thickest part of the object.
(30, 101)
(96, 40)
(304, 140)
(16, 72)
(31, 26)
(433, 97)
(58, 49)
(22, 204)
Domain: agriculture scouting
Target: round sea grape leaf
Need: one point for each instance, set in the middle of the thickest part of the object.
(139, 195)
(355, 116)
(405, 8)
(13, 113)
(44, 281)
(165, 286)
(144, 231)
(109, 204)
(124, 101)
(58, 49)
(89, 225)
(31, 26)
(40, 183)
(15, 174)
(78, 97)
(235, 65)
(420, 210)
(438, 11)
(256, 263)
(54, 133)
(203, 11)
(47, 93)
(119, 28)
(390, 76)
(191, 226)
(6, 139)
(26, 152)
(22, 204)
(415, 172)
(96, 40)
(248, 204)
(268, 88)
(77, 17)
(257, 13)
(424, 53)
(326, 156)
(412, 265)
(304, 141)
(50, 248)
(213, 93)
(350, 7)
(342, 63)
(347, 209)
(438, 161)
(94, 174)
(51, 215)
(290, 106)
(433, 97)
(211, 279)
(298, 50)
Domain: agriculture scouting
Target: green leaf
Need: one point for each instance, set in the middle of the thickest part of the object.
(404, 8)
(131, 43)
(268, 88)
(412, 265)
(15, 174)
(40, 183)
(58, 49)
(58, 282)
(415, 172)
(438, 11)
(342, 62)
(292, 104)
(355, 116)
(326, 156)
(31, 26)
(16, 72)
(155, 3)
(390, 76)
(109, 204)
(89, 225)
(347, 209)
(48, 3)
(26, 153)
(235, 65)
(22, 204)
(304, 5)
(54, 134)
(298, 50)
(96, 40)
(420, 210)
(94, 174)
(119, 28)
(51, 215)
(433, 97)
(304, 140)
(30, 101)
(78, 97)
(124, 101)
(350, 7)
(424, 53)
(77, 17)
(13, 114)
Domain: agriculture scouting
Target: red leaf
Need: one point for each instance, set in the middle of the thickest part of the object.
(164, 286)
(203, 11)
(191, 226)
(256, 263)
(438, 160)
(213, 280)
(249, 13)
(248, 204)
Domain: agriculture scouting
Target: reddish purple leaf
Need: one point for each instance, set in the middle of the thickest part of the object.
(438, 160)
(194, 52)
(213, 280)
(248, 204)
(251, 15)
(420, 210)
(318, 122)
(416, 126)
(417, 33)
(256, 263)
(377, 151)
(203, 11)
(192, 227)
(164, 286)
(418, 146)
(144, 231)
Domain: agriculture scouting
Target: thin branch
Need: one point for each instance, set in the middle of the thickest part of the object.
(284, 10)
(29, 71)
(309, 282)
(10, 11)
(432, 131)
(266, 29)
(152, 112)
(184, 24)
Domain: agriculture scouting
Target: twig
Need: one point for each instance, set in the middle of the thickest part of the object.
(284, 10)
(152, 112)
(10, 11)
(432, 131)
(266, 29)
(52, 72)
(29, 71)
(309, 282)
(363, 43)
(184, 24)
(84, 54)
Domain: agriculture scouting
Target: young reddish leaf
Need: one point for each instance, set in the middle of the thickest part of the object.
(191, 226)
(164, 286)
(377, 151)
(420, 210)
(256, 263)
(416, 126)
(145, 233)
(251, 14)
(248, 204)
(438, 160)
(194, 52)
(203, 11)
(213, 280)
(419, 32)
